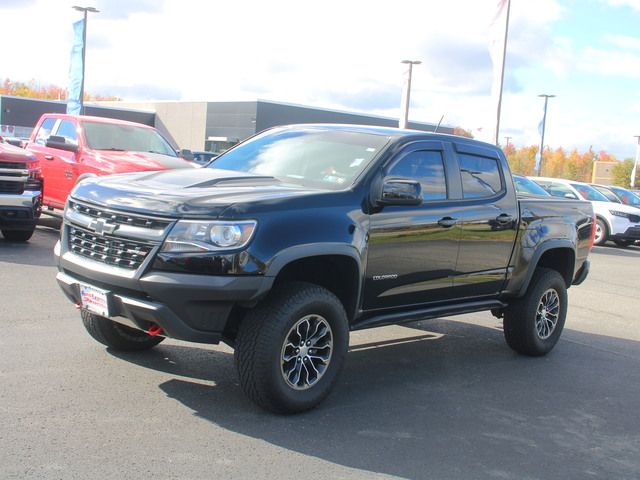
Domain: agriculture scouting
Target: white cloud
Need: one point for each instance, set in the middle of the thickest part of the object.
(635, 4)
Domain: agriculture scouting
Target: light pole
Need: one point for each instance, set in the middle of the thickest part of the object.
(84, 48)
(544, 121)
(406, 93)
(507, 139)
(635, 164)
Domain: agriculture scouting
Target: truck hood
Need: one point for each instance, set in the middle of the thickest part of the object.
(184, 193)
(9, 153)
(125, 161)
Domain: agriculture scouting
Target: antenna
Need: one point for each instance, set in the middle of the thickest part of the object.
(438, 126)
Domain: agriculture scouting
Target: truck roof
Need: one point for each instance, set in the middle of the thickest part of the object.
(90, 118)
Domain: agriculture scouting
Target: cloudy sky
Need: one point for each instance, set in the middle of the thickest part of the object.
(345, 55)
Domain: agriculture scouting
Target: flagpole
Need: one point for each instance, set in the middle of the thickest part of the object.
(504, 58)
(635, 164)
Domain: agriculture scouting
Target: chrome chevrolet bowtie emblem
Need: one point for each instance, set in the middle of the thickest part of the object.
(101, 227)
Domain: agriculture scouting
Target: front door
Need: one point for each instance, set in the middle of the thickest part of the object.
(412, 249)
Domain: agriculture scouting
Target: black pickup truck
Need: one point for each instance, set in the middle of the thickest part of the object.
(290, 240)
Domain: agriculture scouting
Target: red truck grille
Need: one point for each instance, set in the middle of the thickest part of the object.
(114, 251)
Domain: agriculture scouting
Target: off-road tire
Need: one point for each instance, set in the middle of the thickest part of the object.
(261, 339)
(17, 235)
(116, 336)
(520, 326)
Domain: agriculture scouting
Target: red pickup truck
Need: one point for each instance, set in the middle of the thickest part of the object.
(71, 148)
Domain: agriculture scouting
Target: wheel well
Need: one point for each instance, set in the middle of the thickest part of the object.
(560, 259)
(604, 220)
(337, 273)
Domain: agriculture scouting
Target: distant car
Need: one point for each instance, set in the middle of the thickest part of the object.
(525, 186)
(614, 221)
(202, 158)
(607, 192)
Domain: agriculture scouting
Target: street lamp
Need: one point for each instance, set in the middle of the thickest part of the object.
(84, 48)
(406, 93)
(635, 164)
(544, 121)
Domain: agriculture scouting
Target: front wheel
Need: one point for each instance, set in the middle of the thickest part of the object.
(533, 323)
(291, 348)
(17, 235)
(602, 233)
(117, 336)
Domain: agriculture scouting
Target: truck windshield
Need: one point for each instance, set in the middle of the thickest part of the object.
(313, 157)
(111, 136)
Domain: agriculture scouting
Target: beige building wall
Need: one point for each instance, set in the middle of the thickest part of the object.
(602, 172)
(183, 122)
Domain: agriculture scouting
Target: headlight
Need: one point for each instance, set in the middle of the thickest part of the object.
(618, 213)
(194, 236)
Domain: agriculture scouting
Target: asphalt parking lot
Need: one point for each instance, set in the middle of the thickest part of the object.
(441, 399)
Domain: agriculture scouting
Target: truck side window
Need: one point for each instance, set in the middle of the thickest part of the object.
(45, 131)
(480, 176)
(427, 167)
(67, 130)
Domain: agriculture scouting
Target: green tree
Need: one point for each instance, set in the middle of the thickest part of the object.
(622, 174)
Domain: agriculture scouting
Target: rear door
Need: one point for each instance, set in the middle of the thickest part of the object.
(412, 249)
(489, 213)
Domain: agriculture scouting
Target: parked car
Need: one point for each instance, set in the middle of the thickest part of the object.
(20, 193)
(288, 241)
(528, 187)
(203, 157)
(622, 194)
(71, 148)
(615, 221)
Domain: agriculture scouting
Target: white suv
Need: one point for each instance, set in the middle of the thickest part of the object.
(615, 221)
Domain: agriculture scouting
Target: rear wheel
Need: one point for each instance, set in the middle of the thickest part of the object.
(602, 232)
(291, 348)
(116, 336)
(533, 323)
(17, 235)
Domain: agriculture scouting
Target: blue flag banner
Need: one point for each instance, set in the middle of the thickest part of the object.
(75, 70)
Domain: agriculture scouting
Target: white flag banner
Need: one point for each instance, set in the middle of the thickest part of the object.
(497, 38)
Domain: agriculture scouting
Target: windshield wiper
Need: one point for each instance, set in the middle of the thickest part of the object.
(113, 149)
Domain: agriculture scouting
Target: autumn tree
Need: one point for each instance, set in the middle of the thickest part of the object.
(461, 132)
(33, 89)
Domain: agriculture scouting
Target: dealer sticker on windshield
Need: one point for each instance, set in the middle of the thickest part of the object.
(95, 300)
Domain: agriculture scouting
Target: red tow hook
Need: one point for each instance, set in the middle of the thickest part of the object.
(155, 330)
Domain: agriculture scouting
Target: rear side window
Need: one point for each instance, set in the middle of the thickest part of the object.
(44, 132)
(427, 167)
(480, 176)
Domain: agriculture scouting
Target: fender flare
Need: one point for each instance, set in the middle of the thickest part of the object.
(533, 264)
(309, 250)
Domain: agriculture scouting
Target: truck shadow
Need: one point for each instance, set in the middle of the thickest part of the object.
(450, 401)
(37, 251)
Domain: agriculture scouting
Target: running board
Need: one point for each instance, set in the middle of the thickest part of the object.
(381, 320)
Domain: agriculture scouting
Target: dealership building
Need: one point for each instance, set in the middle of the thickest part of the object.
(212, 126)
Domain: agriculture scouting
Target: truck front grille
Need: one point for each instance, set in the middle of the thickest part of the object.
(119, 218)
(110, 250)
(11, 187)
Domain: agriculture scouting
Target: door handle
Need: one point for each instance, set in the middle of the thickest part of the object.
(504, 219)
(48, 157)
(447, 222)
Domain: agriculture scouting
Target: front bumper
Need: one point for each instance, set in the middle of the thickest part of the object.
(631, 233)
(20, 211)
(187, 307)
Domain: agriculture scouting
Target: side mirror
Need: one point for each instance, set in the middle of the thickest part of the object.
(400, 191)
(186, 154)
(60, 143)
(570, 196)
